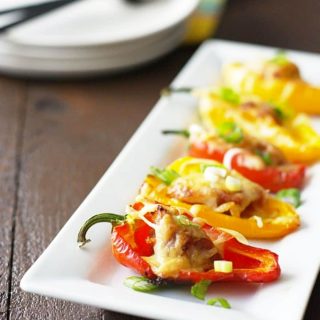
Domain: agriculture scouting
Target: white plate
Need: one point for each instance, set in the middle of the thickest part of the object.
(32, 63)
(100, 22)
(89, 52)
(91, 37)
(93, 277)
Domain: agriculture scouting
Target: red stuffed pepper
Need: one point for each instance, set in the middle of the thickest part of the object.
(163, 244)
(258, 161)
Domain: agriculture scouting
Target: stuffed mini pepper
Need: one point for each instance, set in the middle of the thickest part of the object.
(291, 133)
(277, 79)
(256, 160)
(165, 244)
(222, 197)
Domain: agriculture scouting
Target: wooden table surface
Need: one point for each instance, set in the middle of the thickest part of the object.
(57, 139)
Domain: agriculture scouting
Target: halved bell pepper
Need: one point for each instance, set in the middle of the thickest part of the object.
(274, 81)
(258, 161)
(264, 217)
(291, 133)
(137, 241)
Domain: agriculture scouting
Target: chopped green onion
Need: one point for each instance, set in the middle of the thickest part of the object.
(233, 184)
(184, 221)
(265, 156)
(229, 95)
(279, 113)
(204, 166)
(230, 132)
(291, 196)
(213, 174)
(141, 284)
(223, 266)
(184, 133)
(199, 290)
(280, 58)
(165, 175)
(221, 301)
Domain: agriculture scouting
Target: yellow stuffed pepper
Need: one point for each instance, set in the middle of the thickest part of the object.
(219, 197)
(277, 79)
(223, 111)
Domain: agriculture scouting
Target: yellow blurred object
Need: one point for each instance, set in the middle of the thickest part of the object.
(293, 134)
(204, 21)
(269, 219)
(291, 90)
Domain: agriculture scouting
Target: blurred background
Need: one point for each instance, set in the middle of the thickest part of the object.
(81, 38)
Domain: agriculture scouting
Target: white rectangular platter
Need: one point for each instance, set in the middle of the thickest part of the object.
(92, 276)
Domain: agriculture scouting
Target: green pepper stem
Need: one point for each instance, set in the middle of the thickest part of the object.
(112, 218)
(169, 90)
(184, 133)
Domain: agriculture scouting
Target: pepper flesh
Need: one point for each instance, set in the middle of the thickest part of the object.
(273, 178)
(250, 264)
(278, 218)
(295, 137)
(294, 92)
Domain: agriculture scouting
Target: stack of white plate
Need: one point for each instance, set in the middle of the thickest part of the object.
(94, 36)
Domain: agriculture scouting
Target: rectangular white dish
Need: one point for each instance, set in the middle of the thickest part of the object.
(92, 276)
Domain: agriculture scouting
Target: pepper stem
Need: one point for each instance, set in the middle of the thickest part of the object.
(169, 90)
(184, 133)
(112, 218)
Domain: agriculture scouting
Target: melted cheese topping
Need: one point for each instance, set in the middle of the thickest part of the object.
(232, 193)
(179, 247)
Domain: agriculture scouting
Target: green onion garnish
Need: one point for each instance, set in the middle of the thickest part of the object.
(223, 266)
(230, 132)
(165, 175)
(229, 95)
(291, 196)
(265, 156)
(280, 58)
(184, 133)
(220, 301)
(204, 166)
(184, 221)
(280, 110)
(279, 113)
(141, 284)
(199, 290)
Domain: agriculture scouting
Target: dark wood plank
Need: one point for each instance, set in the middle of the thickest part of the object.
(72, 134)
(12, 95)
(54, 177)
(290, 24)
